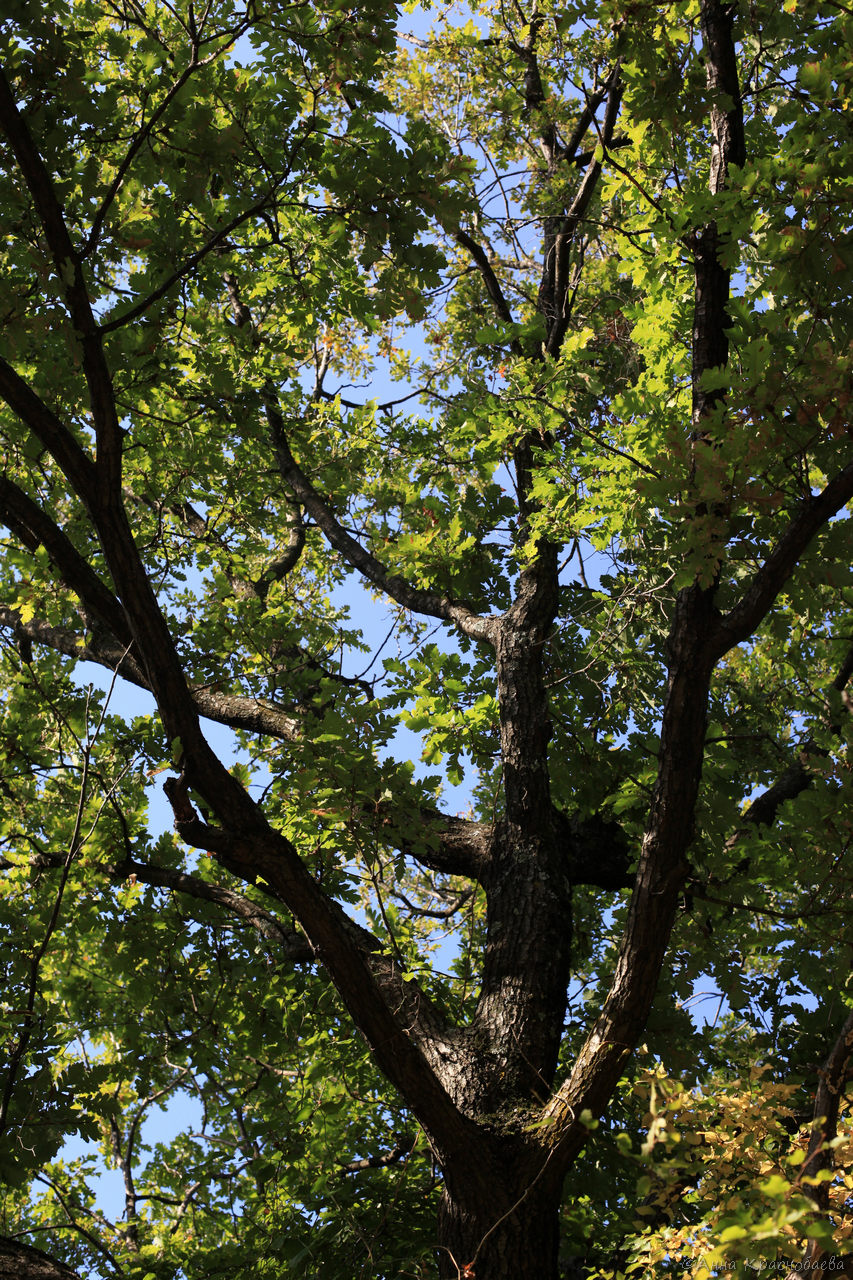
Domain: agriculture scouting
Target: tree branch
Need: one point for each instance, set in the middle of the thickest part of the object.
(35, 528)
(744, 617)
(553, 296)
(73, 460)
(294, 946)
(118, 650)
(402, 1148)
(661, 874)
(395, 586)
(763, 809)
(142, 136)
(411, 1039)
(69, 268)
(569, 153)
(19, 1261)
(106, 651)
(795, 779)
(832, 1077)
(711, 320)
(692, 655)
(287, 561)
(490, 280)
(237, 711)
(191, 261)
(446, 844)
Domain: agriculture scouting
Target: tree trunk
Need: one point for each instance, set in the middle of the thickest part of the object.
(505, 1228)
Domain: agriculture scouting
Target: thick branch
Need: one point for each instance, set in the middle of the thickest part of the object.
(287, 561)
(124, 1163)
(391, 1012)
(31, 524)
(832, 1078)
(294, 946)
(595, 850)
(104, 649)
(794, 780)
(409, 1037)
(19, 1261)
(69, 268)
(728, 144)
(114, 650)
(533, 90)
(569, 153)
(692, 655)
(446, 844)
(661, 873)
(710, 314)
(253, 715)
(763, 809)
(402, 1148)
(47, 428)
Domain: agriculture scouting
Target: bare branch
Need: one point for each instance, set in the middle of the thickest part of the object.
(434, 913)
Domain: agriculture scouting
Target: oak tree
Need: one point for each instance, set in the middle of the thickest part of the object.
(484, 376)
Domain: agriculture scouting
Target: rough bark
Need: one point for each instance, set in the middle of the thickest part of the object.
(510, 1232)
(19, 1261)
(528, 892)
(712, 278)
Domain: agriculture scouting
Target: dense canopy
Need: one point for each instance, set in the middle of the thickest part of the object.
(426, 477)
